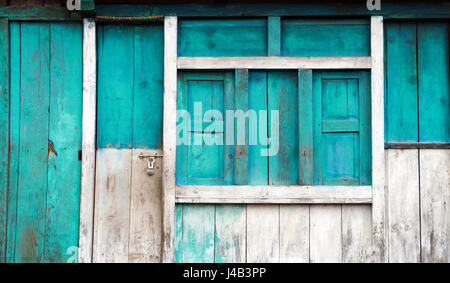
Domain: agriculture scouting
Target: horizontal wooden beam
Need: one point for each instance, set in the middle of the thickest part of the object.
(390, 9)
(274, 194)
(273, 62)
(39, 14)
(417, 145)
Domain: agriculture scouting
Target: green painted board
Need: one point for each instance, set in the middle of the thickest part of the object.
(4, 131)
(317, 37)
(401, 82)
(433, 85)
(231, 37)
(130, 86)
(64, 168)
(274, 36)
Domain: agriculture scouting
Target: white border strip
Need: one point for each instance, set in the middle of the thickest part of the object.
(273, 62)
(275, 194)
(169, 136)
(88, 142)
(378, 157)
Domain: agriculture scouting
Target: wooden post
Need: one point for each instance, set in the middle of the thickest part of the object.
(169, 136)
(378, 157)
(88, 142)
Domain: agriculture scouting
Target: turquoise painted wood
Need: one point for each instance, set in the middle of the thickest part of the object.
(390, 9)
(46, 103)
(202, 157)
(4, 131)
(325, 37)
(341, 128)
(130, 86)
(416, 83)
(282, 93)
(434, 82)
(401, 82)
(305, 127)
(257, 100)
(274, 36)
(65, 119)
(241, 128)
(211, 37)
(14, 141)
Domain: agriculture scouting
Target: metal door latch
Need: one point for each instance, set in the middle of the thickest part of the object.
(150, 170)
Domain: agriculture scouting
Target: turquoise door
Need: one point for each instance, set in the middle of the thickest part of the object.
(45, 142)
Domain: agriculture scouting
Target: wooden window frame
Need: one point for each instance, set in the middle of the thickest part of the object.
(172, 194)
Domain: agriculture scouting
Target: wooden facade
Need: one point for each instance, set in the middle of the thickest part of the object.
(362, 172)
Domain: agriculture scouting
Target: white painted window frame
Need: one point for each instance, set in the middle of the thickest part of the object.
(173, 194)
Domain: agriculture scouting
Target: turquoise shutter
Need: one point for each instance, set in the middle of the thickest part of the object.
(201, 163)
(341, 128)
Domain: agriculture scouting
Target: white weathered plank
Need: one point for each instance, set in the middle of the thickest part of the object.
(435, 200)
(403, 205)
(325, 234)
(274, 194)
(88, 143)
(112, 205)
(169, 136)
(273, 62)
(356, 233)
(294, 233)
(231, 234)
(145, 210)
(263, 233)
(378, 162)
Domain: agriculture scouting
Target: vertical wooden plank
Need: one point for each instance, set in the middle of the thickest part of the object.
(356, 233)
(146, 210)
(112, 205)
(365, 129)
(148, 86)
(230, 234)
(403, 205)
(64, 168)
(169, 136)
(325, 234)
(434, 200)
(283, 97)
(198, 233)
(115, 86)
(401, 82)
(305, 127)
(178, 250)
(31, 214)
(434, 76)
(14, 141)
(378, 162)
(241, 150)
(274, 36)
(294, 233)
(88, 142)
(4, 132)
(257, 101)
(263, 233)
